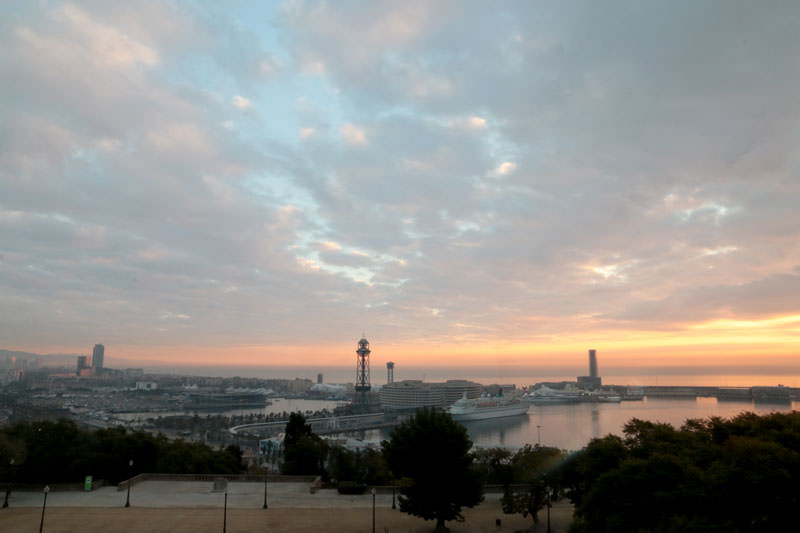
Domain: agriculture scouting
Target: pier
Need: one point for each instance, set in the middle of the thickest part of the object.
(779, 394)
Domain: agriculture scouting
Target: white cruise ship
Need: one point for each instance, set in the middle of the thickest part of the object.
(545, 395)
(486, 407)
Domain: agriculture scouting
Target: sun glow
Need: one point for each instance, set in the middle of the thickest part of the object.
(750, 324)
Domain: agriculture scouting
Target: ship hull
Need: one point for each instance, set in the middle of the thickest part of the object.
(490, 412)
(553, 400)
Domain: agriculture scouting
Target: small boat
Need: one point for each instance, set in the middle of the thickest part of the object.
(605, 397)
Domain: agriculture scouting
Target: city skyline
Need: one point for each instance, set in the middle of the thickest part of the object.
(473, 185)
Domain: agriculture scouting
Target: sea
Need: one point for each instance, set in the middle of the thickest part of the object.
(572, 426)
(568, 427)
(519, 375)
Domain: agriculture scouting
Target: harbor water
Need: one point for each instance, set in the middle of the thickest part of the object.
(572, 426)
(565, 426)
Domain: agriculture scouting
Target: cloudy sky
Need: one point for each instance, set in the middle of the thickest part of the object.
(259, 182)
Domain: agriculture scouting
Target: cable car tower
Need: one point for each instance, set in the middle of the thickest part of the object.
(362, 372)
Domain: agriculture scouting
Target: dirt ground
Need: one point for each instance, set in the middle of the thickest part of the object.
(202, 519)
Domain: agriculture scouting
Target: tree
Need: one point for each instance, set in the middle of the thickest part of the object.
(304, 452)
(363, 467)
(531, 468)
(741, 474)
(496, 465)
(430, 454)
(65, 453)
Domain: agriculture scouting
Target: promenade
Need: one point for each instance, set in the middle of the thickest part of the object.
(169, 506)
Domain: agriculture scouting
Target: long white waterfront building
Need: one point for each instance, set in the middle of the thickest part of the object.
(411, 394)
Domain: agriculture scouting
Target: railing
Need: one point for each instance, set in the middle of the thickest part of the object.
(252, 478)
(332, 424)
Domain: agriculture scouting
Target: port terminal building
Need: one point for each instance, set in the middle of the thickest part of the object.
(410, 394)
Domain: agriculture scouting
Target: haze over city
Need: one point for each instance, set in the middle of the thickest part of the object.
(488, 186)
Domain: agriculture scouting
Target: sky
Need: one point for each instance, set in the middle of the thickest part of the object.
(471, 183)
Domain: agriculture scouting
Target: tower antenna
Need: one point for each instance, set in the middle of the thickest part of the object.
(362, 372)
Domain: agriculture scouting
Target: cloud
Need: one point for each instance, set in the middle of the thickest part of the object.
(506, 167)
(266, 66)
(353, 135)
(768, 297)
(106, 43)
(530, 172)
(241, 103)
(477, 123)
(474, 123)
(331, 246)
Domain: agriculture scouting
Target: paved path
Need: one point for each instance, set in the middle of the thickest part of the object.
(200, 494)
(166, 506)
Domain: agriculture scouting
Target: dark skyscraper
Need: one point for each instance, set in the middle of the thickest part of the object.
(592, 363)
(593, 380)
(97, 356)
(81, 364)
(390, 372)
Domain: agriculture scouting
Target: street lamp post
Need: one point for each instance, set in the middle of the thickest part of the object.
(130, 473)
(44, 505)
(8, 488)
(265, 491)
(373, 509)
(393, 504)
(225, 514)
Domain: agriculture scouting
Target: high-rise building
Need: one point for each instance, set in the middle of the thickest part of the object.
(390, 372)
(593, 381)
(592, 363)
(97, 356)
(319, 378)
(81, 364)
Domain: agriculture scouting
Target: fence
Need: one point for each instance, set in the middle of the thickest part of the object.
(253, 478)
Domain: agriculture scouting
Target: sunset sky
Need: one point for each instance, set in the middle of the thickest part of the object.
(472, 183)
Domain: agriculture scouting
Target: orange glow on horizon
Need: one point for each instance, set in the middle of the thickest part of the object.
(718, 342)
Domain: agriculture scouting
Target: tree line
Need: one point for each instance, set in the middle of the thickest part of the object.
(61, 452)
(739, 474)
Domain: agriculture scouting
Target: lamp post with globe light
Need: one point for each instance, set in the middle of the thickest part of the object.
(373, 509)
(225, 514)
(265, 490)
(130, 473)
(8, 487)
(44, 505)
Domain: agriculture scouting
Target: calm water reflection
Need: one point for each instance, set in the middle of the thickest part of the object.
(564, 426)
(572, 426)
